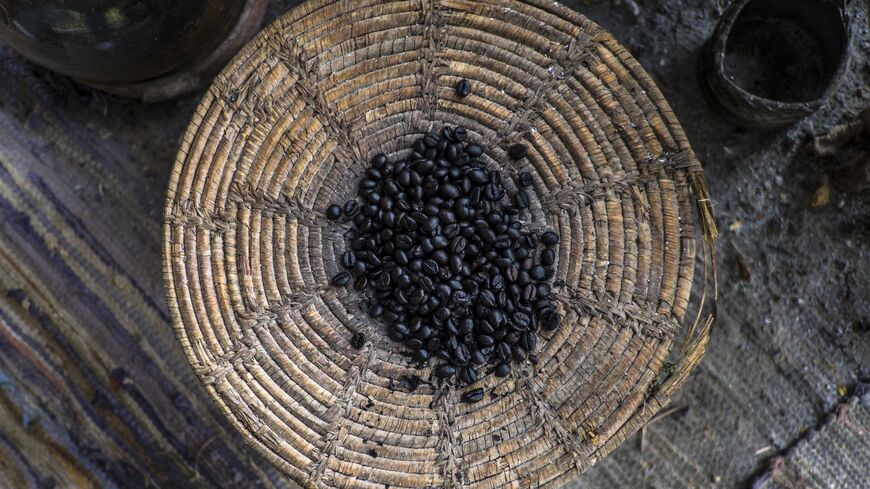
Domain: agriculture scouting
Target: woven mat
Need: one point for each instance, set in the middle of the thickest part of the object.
(835, 455)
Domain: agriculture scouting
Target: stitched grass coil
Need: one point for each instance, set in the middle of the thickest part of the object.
(289, 127)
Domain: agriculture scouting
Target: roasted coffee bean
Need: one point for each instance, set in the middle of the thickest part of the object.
(521, 200)
(351, 208)
(422, 355)
(519, 352)
(495, 317)
(512, 272)
(348, 259)
(361, 283)
(463, 88)
(517, 152)
(529, 340)
(496, 282)
(485, 340)
(341, 279)
(444, 371)
(503, 351)
(333, 212)
(449, 191)
(550, 238)
(520, 319)
(444, 256)
(358, 340)
(548, 257)
(477, 357)
(468, 375)
(378, 160)
(528, 293)
(462, 354)
(552, 321)
(473, 396)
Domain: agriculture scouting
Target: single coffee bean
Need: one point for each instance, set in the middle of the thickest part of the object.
(477, 357)
(341, 279)
(358, 340)
(529, 292)
(520, 319)
(463, 88)
(503, 370)
(333, 212)
(552, 322)
(550, 238)
(444, 371)
(468, 375)
(473, 396)
(474, 150)
(485, 340)
(503, 351)
(361, 283)
(462, 354)
(548, 257)
(517, 152)
(351, 208)
(529, 340)
(525, 179)
(348, 259)
(521, 200)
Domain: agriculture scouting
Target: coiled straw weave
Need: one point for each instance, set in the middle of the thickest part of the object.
(289, 127)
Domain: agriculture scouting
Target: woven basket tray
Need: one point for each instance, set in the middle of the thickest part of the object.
(287, 129)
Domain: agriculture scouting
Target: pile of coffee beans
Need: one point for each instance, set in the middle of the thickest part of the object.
(441, 250)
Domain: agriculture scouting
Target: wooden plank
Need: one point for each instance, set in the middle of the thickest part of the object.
(94, 388)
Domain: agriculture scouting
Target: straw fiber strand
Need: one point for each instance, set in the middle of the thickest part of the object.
(287, 129)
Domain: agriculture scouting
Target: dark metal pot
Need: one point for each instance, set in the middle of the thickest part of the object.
(121, 43)
(772, 62)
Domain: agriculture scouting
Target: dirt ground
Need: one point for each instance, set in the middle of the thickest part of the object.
(793, 336)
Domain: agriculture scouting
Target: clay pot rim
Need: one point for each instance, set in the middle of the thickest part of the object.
(719, 41)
